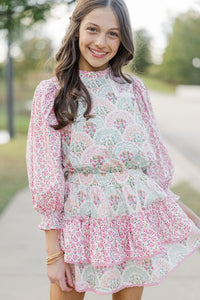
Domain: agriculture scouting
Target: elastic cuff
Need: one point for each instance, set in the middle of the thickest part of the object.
(53, 221)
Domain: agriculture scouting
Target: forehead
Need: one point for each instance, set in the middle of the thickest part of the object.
(103, 17)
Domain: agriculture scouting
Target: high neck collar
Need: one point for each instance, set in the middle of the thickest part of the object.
(95, 74)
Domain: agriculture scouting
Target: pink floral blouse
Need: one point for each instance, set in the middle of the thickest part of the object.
(44, 153)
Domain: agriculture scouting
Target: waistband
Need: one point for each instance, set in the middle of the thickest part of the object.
(91, 170)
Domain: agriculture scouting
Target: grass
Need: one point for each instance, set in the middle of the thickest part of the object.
(188, 195)
(156, 84)
(13, 176)
(21, 121)
(153, 82)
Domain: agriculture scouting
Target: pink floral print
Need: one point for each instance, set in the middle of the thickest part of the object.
(104, 183)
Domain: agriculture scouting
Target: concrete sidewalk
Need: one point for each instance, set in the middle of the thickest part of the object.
(22, 260)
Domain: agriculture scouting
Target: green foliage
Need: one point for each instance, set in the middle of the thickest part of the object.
(14, 14)
(183, 47)
(142, 59)
(35, 54)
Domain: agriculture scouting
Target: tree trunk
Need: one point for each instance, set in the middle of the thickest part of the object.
(10, 99)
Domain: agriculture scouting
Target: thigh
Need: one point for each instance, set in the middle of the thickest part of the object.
(57, 294)
(130, 293)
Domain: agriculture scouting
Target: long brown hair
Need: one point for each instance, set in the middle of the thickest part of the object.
(67, 58)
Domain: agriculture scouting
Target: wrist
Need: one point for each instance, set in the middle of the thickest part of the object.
(52, 250)
(52, 242)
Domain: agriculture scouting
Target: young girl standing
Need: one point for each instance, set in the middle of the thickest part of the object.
(99, 173)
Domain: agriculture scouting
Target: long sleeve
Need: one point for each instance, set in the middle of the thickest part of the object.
(43, 158)
(161, 170)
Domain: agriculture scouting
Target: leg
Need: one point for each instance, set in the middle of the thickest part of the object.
(57, 294)
(130, 293)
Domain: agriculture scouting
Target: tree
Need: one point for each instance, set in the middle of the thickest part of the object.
(183, 50)
(142, 59)
(33, 56)
(13, 16)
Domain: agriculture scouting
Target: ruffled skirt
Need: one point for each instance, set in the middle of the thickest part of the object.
(122, 230)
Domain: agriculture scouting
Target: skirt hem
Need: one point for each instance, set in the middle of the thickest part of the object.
(138, 285)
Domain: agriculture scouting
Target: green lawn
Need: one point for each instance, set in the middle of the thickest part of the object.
(156, 84)
(13, 169)
(189, 196)
(21, 121)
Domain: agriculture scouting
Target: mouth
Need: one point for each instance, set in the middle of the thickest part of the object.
(96, 53)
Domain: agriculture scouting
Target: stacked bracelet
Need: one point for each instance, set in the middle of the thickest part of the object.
(53, 258)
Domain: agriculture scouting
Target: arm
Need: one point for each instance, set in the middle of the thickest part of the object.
(46, 177)
(161, 170)
(43, 159)
(190, 214)
(52, 242)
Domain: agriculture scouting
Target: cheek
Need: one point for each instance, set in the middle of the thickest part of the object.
(84, 40)
(115, 46)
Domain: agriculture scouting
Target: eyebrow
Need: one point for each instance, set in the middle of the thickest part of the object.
(99, 26)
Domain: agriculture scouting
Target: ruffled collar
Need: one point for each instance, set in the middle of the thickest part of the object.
(95, 74)
(88, 74)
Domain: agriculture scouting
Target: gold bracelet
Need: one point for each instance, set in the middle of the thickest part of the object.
(54, 255)
(52, 258)
(48, 262)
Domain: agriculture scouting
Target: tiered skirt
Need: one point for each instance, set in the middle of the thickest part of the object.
(122, 229)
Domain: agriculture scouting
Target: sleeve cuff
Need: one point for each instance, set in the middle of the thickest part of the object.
(53, 221)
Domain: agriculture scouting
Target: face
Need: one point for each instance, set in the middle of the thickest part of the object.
(99, 39)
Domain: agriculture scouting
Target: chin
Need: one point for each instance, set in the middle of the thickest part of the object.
(99, 65)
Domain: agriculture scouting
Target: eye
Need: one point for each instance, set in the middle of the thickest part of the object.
(114, 34)
(92, 29)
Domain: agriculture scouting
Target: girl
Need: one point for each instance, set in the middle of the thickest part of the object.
(99, 173)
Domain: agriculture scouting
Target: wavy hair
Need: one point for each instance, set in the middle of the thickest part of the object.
(67, 60)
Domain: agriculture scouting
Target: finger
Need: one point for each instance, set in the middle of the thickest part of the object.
(63, 285)
(69, 276)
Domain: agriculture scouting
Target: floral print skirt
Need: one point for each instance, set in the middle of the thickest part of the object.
(122, 230)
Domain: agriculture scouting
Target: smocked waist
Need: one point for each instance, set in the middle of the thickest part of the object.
(91, 170)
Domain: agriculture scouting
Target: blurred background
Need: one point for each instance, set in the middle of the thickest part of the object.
(167, 58)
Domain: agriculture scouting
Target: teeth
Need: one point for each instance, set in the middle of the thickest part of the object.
(97, 53)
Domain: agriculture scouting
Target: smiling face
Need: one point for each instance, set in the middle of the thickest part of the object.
(99, 39)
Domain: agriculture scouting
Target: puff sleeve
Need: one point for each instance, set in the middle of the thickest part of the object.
(44, 159)
(161, 170)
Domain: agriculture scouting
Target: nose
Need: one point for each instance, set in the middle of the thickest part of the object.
(101, 40)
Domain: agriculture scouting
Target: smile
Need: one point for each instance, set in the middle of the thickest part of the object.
(97, 53)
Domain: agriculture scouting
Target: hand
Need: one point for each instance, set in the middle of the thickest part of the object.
(60, 273)
(196, 221)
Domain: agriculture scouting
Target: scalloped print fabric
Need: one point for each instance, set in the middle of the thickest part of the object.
(119, 227)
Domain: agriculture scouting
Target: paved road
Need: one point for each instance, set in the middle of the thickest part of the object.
(179, 121)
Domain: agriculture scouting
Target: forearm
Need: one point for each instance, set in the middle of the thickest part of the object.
(190, 214)
(52, 242)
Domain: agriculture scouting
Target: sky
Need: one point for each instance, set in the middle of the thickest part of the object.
(152, 15)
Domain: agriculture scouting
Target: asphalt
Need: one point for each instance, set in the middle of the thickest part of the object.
(22, 260)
